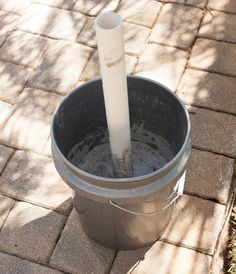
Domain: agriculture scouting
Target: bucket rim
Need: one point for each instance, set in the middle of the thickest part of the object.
(125, 179)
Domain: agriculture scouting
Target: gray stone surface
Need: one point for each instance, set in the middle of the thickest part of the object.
(5, 206)
(213, 131)
(31, 232)
(162, 64)
(76, 253)
(5, 154)
(12, 81)
(219, 26)
(213, 56)
(29, 125)
(197, 3)
(52, 22)
(15, 6)
(209, 90)
(61, 67)
(7, 22)
(177, 25)
(142, 12)
(223, 5)
(33, 178)
(5, 110)
(209, 175)
(196, 223)
(161, 258)
(63, 4)
(25, 49)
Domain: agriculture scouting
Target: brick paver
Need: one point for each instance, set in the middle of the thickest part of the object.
(52, 22)
(31, 232)
(19, 131)
(16, 6)
(76, 253)
(5, 110)
(25, 49)
(64, 4)
(177, 26)
(6, 205)
(12, 81)
(7, 22)
(209, 175)
(163, 64)
(224, 5)
(162, 257)
(31, 177)
(5, 154)
(61, 67)
(197, 3)
(208, 90)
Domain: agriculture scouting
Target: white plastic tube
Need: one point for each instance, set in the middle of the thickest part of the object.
(109, 34)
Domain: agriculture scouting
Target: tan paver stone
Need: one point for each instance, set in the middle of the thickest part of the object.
(13, 265)
(92, 69)
(47, 149)
(209, 175)
(135, 36)
(142, 12)
(93, 8)
(76, 253)
(5, 110)
(33, 178)
(64, 4)
(213, 56)
(177, 25)
(31, 232)
(175, 1)
(24, 48)
(7, 23)
(219, 26)
(15, 6)
(5, 206)
(29, 125)
(61, 67)
(209, 90)
(163, 64)
(161, 258)
(5, 155)
(12, 81)
(52, 22)
(223, 5)
(196, 223)
(213, 131)
(197, 3)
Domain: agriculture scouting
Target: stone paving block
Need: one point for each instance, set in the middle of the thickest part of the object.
(7, 22)
(61, 67)
(219, 26)
(76, 253)
(63, 4)
(177, 25)
(12, 81)
(142, 12)
(23, 48)
(52, 22)
(209, 175)
(29, 125)
(92, 69)
(5, 155)
(213, 56)
(13, 265)
(209, 90)
(31, 232)
(161, 258)
(15, 6)
(5, 206)
(5, 110)
(163, 64)
(197, 3)
(135, 36)
(196, 223)
(93, 8)
(223, 5)
(213, 131)
(174, 1)
(33, 178)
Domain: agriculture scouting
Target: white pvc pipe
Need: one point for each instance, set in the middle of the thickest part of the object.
(109, 34)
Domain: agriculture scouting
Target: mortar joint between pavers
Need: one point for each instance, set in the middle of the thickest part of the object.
(213, 151)
(7, 213)
(112, 262)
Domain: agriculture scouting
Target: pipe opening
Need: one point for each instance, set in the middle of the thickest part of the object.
(108, 21)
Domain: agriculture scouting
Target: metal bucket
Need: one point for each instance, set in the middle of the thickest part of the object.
(123, 213)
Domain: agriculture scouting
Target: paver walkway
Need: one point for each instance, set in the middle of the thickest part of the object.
(47, 48)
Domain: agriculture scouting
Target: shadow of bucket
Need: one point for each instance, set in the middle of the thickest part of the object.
(123, 213)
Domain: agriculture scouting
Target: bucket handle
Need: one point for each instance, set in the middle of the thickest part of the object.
(159, 211)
